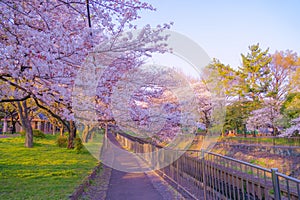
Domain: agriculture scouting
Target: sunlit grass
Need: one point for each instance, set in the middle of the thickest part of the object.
(267, 140)
(43, 172)
(94, 144)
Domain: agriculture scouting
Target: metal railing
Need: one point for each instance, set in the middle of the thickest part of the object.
(237, 179)
(213, 176)
(288, 187)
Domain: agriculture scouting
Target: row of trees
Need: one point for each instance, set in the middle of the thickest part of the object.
(44, 43)
(262, 93)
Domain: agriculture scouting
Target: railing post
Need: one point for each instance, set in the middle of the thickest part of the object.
(203, 173)
(177, 169)
(275, 182)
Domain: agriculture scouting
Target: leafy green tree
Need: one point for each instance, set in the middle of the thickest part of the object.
(254, 75)
(237, 114)
(291, 107)
(234, 118)
(224, 77)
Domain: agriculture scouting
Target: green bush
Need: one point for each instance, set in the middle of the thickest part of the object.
(36, 134)
(78, 145)
(62, 141)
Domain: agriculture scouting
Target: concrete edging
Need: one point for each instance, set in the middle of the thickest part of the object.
(85, 183)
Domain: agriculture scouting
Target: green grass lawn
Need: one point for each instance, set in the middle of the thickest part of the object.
(43, 172)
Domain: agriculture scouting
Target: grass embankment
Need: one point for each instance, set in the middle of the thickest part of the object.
(266, 140)
(43, 172)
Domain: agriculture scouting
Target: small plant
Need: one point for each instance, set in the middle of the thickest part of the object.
(62, 141)
(258, 162)
(78, 145)
(250, 172)
(252, 161)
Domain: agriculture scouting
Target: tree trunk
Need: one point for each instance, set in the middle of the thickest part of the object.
(72, 135)
(92, 135)
(106, 130)
(85, 134)
(62, 130)
(29, 135)
(53, 129)
(275, 130)
(5, 125)
(256, 128)
(207, 123)
(14, 126)
(25, 122)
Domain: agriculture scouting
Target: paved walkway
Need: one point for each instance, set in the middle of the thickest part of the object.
(137, 186)
(131, 186)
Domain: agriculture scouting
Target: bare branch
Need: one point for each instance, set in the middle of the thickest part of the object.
(15, 100)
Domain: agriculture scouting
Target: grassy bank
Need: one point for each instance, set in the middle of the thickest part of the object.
(43, 172)
(265, 140)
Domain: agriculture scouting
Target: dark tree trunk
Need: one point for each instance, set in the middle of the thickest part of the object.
(13, 130)
(26, 124)
(72, 135)
(207, 122)
(275, 130)
(53, 129)
(254, 135)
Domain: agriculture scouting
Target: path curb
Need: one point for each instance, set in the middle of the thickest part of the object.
(85, 183)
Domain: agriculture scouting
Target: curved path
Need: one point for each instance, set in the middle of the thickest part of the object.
(137, 186)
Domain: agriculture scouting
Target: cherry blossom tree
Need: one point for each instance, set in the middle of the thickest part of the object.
(44, 43)
(204, 100)
(264, 117)
(149, 102)
(293, 130)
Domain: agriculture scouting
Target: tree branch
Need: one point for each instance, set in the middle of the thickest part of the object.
(50, 112)
(15, 100)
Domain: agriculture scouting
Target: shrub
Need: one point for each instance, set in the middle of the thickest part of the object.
(62, 141)
(36, 134)
(78, 145)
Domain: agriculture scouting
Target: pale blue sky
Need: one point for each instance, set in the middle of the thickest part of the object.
(225, 28)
